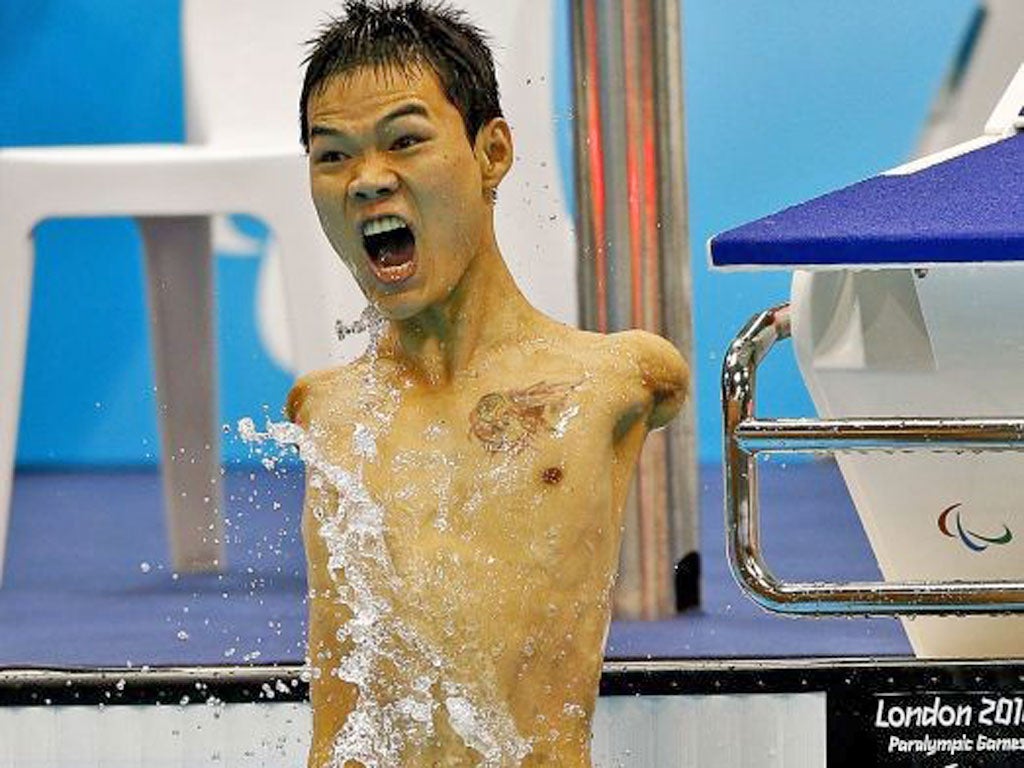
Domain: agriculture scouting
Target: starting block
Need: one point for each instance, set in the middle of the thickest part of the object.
(907, 320)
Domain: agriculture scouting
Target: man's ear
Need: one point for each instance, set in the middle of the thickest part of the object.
(494, 152)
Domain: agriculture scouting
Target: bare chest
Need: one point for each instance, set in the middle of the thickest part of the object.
(480, 461)
(487, 472)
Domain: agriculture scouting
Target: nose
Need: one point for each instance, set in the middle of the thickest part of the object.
(372, 180)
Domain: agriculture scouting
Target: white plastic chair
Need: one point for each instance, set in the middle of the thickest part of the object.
(962, 107)
(242, 77)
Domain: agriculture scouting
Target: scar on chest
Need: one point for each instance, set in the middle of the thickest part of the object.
(552, 475)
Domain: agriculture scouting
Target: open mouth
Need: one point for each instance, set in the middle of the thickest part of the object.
(391, 246)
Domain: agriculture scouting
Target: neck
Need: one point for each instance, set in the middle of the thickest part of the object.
(484, 310)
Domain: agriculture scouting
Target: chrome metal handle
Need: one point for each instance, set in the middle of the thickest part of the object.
(746, 436)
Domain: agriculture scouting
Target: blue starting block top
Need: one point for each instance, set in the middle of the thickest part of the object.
(966, 209)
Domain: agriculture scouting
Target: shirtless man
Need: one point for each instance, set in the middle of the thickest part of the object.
(464, 507)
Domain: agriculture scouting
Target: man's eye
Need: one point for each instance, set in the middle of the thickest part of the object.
(331, 156)
(404, 142)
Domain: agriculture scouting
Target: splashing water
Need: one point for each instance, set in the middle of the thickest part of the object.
(369, 321)
(563, 421)
(380, 730)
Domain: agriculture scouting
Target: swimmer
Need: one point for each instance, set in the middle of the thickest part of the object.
(498, 442)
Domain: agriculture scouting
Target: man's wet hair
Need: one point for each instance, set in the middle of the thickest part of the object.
(383, 34)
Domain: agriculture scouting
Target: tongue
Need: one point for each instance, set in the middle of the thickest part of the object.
(395, 253)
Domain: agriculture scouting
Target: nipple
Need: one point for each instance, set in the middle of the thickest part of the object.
(552, 475)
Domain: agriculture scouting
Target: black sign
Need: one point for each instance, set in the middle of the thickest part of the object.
(937, 729)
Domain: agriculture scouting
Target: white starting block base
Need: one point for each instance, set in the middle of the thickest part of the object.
(947, 341)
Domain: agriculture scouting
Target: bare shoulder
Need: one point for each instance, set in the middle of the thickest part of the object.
(653, 368)
(656, 357)
(315, 394)
(304, 394)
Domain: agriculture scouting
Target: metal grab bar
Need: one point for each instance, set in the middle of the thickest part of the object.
(746, 436)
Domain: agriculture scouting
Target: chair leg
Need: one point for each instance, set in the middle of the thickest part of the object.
(179, 277)
(15, 299)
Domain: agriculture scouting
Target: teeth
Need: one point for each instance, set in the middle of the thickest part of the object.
(383, 224)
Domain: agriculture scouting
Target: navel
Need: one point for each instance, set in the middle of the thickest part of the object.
(552, 475)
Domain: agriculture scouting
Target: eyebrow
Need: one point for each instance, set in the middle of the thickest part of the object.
(404, 110)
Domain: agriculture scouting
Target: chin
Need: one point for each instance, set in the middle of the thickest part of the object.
(398, 306)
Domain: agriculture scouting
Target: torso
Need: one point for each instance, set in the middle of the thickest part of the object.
(502, 495)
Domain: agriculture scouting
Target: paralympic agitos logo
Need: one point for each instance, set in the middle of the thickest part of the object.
(974, 541)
